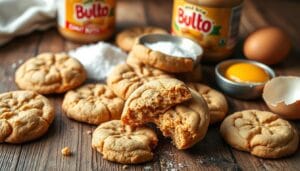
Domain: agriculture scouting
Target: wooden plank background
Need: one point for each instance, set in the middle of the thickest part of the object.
(210, 154)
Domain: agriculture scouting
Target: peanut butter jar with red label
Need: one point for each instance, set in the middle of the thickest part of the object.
(214, 24)
(86, 21)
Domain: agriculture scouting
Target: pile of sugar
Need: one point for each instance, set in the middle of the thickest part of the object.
(173, 49)
(98, 59)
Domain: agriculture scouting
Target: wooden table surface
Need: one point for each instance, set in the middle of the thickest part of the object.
(211, 153)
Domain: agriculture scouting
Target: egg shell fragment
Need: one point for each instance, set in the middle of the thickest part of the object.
(282, 96)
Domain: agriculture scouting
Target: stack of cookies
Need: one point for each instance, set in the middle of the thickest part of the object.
(152, 93)
(139, 93)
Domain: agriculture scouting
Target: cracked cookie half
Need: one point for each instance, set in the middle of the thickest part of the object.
(185, 123)
(152, 99)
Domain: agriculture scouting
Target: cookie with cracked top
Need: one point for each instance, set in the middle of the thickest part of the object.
(93, 104)
(50, 73)
(24, 116)
(123, 143)
(125, 78)
(261, 133)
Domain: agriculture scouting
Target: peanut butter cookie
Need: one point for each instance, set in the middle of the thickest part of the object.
(126, 39)
(185, 123)
(261, 133)
(24, 116)
(124, 144)
(152, 99)
(162, 61)
(124, 78)
(216, 101)
(93, 104)
(193, 76)
(50, 73)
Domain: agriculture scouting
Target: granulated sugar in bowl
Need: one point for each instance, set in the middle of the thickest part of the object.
(173, 49)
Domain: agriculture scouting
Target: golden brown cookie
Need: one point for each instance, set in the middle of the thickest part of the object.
(24, 116)
(50, 73)
(152, 99)
(217, 103)
(124, 78)
(126, 39)
(162, 61)
(124, 144)
(93, 104)
(193, 76)
(185, 123)
(263, 134)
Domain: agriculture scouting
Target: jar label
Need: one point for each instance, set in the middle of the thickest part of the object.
(215, 29)
(87, 16)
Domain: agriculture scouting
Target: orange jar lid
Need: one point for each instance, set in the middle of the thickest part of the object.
(86, 20)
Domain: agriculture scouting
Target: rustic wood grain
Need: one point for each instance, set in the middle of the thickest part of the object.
(130, 13)
(159, 13)
(210, 154)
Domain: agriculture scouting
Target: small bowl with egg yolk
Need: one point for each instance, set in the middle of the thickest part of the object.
(243, 79)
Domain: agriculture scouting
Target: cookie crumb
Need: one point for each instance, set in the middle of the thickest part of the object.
(20, 61)
(181, 165)
(147, 168)
(162, 163)
(14, 66)
(125, 167)
(66, 151)
(89, 132)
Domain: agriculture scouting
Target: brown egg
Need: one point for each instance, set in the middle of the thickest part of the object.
(269, 45)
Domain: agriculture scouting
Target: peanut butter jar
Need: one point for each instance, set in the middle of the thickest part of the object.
(86, 21)
(214, 24)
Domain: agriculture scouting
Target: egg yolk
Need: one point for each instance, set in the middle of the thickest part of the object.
(246, 73)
